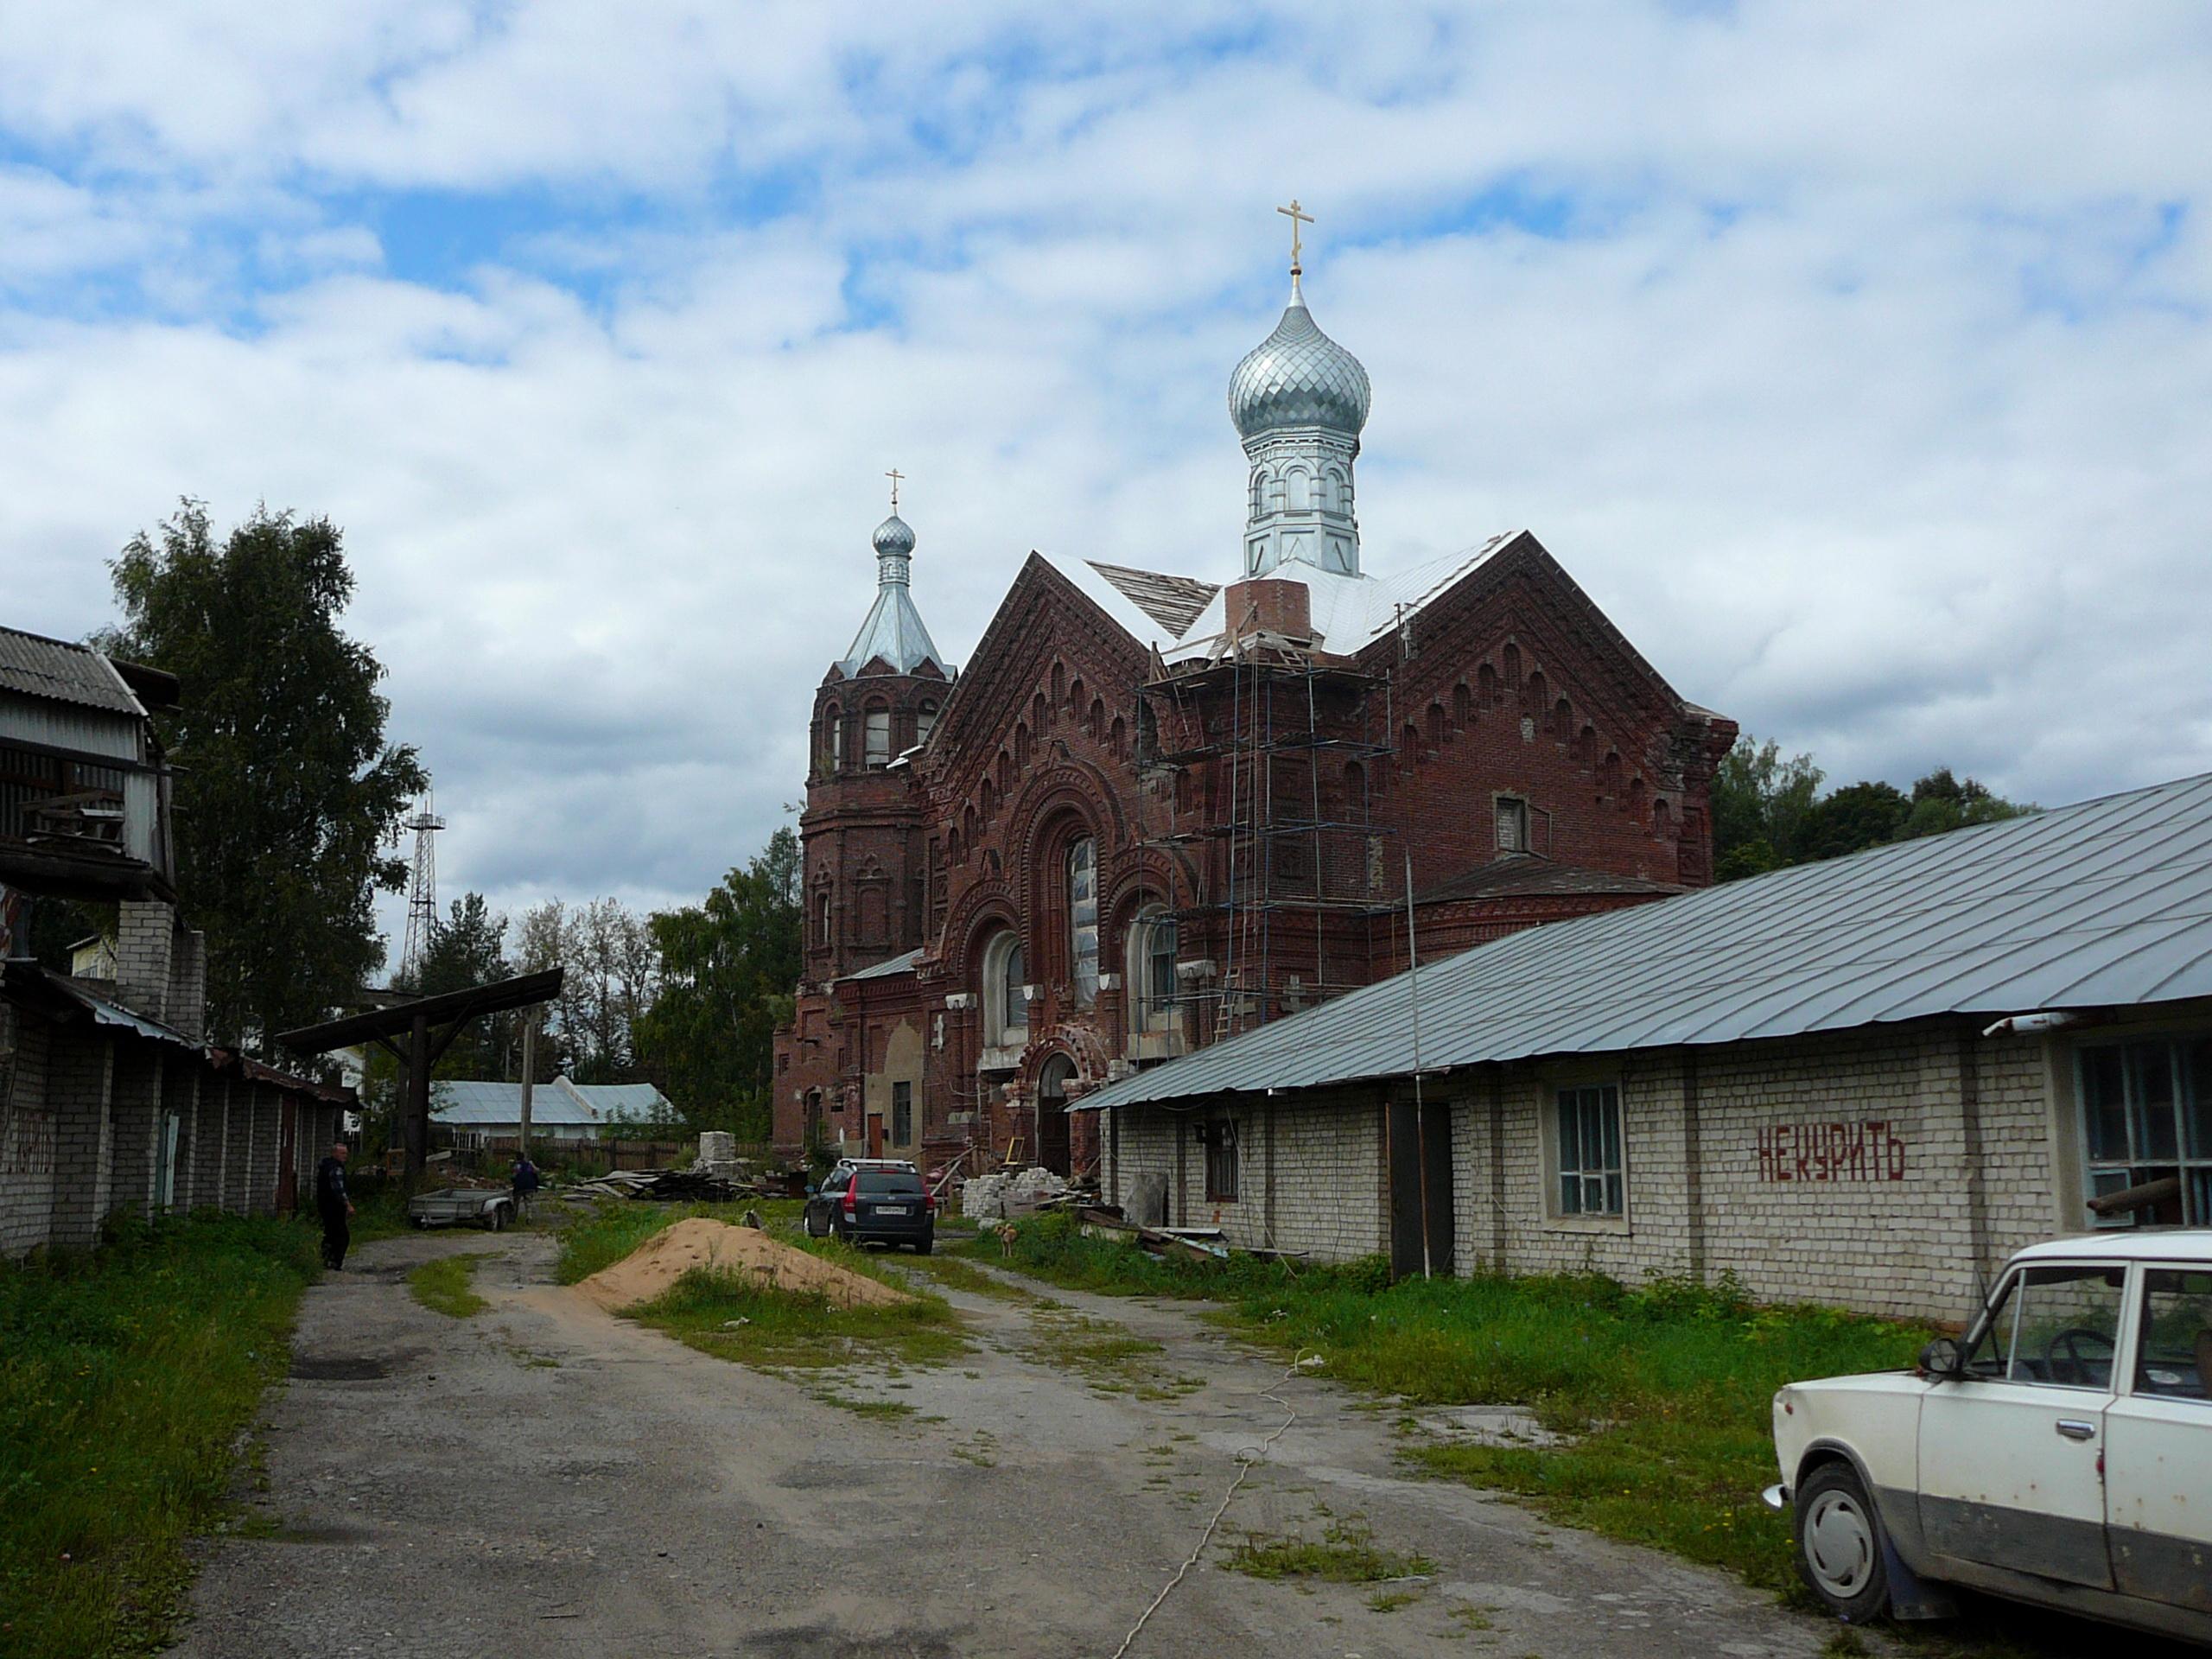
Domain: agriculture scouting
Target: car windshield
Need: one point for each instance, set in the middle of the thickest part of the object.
(884, 1181)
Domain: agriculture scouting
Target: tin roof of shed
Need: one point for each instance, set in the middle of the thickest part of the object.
(63, 672)
(2104, 904)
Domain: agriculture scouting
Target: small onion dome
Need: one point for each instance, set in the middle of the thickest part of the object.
(1297, 376)
(893, 536)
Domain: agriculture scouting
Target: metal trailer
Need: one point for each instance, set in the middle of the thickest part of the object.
(491, 1208)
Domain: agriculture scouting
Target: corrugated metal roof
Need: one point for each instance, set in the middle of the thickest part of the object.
(2104, 904)
(900, 964)
(463, 1101)
(106, 1012)
(54, 669)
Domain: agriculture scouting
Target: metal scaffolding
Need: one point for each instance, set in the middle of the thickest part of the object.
(1288, 850)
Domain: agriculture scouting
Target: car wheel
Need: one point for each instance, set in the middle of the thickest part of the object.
(1839, 1544)
(924, 1248)
(496, 1219)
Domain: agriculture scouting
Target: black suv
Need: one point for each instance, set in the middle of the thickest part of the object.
(874, 1201)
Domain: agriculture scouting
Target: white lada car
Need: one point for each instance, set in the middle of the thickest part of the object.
(2060, 1453)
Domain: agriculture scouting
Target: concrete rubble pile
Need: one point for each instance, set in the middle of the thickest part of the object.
(718, 1157)
(1018, 1192)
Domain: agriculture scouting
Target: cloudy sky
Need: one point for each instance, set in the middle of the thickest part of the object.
(1856, 359)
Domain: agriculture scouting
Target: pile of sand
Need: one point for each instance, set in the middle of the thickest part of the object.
(658, 1262)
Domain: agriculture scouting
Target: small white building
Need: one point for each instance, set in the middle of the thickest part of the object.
(477, 1115)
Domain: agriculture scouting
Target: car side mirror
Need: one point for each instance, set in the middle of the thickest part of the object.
(1943, 1360)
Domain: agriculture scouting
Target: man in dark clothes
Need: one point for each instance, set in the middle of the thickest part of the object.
(526, 1180)
(331, 1202)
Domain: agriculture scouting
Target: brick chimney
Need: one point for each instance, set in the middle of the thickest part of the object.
(1268, 605)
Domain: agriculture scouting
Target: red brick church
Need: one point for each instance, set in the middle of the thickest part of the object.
(1159, 809)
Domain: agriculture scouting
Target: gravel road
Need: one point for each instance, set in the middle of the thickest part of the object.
(546, 1478)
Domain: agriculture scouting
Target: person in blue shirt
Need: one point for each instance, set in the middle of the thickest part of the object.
(333, 1206)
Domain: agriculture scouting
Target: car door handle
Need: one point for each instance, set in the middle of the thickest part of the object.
(2074, 1429)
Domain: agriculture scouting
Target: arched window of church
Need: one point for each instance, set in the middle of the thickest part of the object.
(1612, 774)
(1585, 745)
(1147, 731)
(1098, 717)
(1435, 725)
(1082, 919)
(1636, 797)
(1149, 969)
(1512, 656)
(1059, 685)
(1021, 748)
(878, 729)
(967, 826)
(1409, 745)
(1119, 737)
(1355, 791)
(1006, 1009)
(822, 918)
(1562, 721)
(1301, 490)
(924, 722)
(1254, 507)
(1539, 692)
(1075, 694)
(1662, 817)
(1006, 771)
(1486, 682)
(990, 800)
(1463, 705)
(834, 719)
(1040, 711)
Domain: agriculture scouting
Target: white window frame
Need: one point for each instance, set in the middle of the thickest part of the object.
(1152, 993)
(2187, 1085)
(1006, 1009)
(1610, 1175)
(875, 752)
(1513, 809)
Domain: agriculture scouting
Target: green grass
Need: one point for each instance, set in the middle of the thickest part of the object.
(782, 1332)
(1667, 1388)
(1344, 1553)
(126, 1379)
(380, 1214)
(879, 1410)
(443, 1286)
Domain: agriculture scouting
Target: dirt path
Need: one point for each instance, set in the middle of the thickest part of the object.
(546, 1478)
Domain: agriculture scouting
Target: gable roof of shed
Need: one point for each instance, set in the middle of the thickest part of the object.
(2107, 903)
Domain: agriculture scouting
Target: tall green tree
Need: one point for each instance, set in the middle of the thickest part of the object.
(1759, 798)
(727, 968)
(287, 795)
(1768, 811)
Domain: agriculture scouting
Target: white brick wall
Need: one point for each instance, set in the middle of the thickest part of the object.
(1701, 1199)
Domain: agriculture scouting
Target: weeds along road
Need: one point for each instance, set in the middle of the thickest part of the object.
(545, 1478)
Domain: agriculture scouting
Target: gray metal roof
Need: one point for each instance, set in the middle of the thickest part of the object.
(62, 672)
(2101, 904)
(466, 1102)
(903, 963)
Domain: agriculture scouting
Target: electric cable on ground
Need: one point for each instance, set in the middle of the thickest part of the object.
(1247, 1460)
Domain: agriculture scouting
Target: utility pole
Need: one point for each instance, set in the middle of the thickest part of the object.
(529, 1077)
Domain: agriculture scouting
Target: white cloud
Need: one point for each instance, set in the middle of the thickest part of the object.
(1863, 389)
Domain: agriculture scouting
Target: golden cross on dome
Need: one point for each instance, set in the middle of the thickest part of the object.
(1296, 218)
(894, 475)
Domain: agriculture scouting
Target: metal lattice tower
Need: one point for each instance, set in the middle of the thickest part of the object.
(422, 891)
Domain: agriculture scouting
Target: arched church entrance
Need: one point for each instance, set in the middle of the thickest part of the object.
(1052, 1113)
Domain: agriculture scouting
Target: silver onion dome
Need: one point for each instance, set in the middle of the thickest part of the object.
(894, 535)
(1297, 376)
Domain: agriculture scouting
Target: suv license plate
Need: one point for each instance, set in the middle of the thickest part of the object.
(890, 1208)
